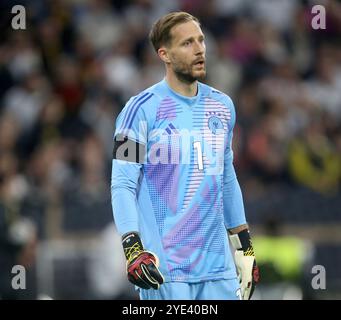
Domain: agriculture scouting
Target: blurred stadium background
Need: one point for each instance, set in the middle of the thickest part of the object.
(64, 79)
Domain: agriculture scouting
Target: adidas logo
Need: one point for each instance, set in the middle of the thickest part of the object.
(170, 129)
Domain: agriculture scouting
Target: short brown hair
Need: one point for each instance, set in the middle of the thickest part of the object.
(161, 30)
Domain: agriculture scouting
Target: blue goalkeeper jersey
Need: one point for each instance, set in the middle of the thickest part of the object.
(184, 194)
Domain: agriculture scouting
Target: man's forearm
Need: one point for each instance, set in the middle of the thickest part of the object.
(238, 229)
(123, 195)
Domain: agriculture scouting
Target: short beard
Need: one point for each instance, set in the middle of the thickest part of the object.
(184, 75)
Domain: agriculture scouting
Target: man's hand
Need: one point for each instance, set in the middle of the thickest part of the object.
(248, 273)
(245, 263)
(142, 266)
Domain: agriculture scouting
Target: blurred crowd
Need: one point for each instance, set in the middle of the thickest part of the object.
(65, 78)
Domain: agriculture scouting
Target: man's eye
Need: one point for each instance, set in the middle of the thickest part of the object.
(187, 43)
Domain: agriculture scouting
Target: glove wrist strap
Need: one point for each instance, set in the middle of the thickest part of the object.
(242, 241)
(132, 245)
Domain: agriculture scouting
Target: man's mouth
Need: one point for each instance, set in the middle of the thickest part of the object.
(199, 63)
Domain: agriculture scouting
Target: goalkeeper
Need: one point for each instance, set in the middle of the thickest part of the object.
(176, 198)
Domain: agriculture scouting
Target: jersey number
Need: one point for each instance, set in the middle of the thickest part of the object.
(197, 145)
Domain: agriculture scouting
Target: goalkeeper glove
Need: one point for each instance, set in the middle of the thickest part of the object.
(142, 266)
(245, 263)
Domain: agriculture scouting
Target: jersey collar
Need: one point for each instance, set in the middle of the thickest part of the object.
(190, 101)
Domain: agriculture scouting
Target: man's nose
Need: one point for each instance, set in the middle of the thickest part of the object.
(199, 48)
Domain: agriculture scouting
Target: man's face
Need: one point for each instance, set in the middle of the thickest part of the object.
(186, 52)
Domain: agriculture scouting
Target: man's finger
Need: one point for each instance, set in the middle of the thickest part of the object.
(155, 273)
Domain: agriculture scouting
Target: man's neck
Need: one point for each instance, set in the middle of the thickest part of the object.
(183, 88)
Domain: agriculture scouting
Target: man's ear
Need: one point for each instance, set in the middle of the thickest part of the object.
(163, 54)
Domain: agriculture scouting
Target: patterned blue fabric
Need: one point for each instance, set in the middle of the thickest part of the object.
(185, 194)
